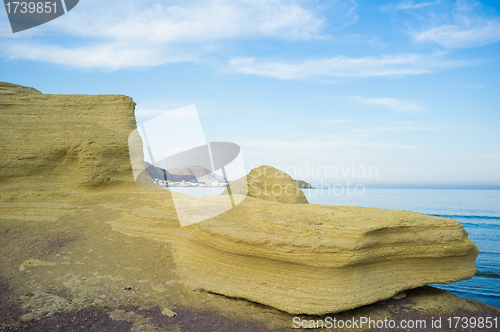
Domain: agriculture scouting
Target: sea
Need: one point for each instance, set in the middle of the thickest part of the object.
(477, 210)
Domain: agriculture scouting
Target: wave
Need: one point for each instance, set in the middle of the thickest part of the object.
(481, 225)
(455, 216)
(488, 274)
(467, 292)
(490, 252)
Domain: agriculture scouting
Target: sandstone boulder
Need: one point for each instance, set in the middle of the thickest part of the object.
(313, 259)
(269, 184)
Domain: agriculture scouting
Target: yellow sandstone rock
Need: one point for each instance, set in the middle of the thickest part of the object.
(313, 259)
(168, 312)
(299, 258)
(270, 184)
(64, 142)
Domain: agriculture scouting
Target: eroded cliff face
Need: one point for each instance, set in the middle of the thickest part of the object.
(75, 222)
(64, 142)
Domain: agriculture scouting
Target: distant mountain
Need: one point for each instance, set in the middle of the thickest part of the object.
(160, 173)
(187, 173)
(303, 184)
(201, 173)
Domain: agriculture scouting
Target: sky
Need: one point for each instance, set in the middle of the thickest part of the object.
(379, 93)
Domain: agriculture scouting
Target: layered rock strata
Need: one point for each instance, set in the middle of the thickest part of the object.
(64, 141)
(299, 258)
(313, 259)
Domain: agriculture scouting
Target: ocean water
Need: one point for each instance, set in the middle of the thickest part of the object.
(477, 210)
(196, 191)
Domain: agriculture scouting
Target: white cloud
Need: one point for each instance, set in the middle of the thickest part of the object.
(382, 145)
(104, 56)
(396, 128)
(342, 13)
(153, 112)
(468, 27)
(408, 5)
(193, 20)
(116, 34)
(463, 35)
(322, 145)
(341, 66)
(395, 104)
(335, 121)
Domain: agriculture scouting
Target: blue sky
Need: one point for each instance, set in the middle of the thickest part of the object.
(408, 87)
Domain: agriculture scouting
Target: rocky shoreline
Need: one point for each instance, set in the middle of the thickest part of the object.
(84, 245)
